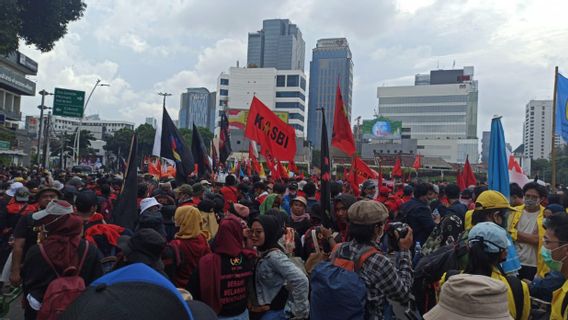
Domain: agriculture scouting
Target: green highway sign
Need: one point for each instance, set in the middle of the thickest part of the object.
(4, 145)
(68, 103)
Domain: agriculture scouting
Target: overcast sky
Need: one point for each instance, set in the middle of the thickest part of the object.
(141, 47)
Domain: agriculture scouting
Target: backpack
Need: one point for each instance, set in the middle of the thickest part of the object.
(337, 291)
(62, 291)
(429, 271)
(444, 233)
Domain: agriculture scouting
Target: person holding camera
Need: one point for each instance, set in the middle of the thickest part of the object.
(383, 278)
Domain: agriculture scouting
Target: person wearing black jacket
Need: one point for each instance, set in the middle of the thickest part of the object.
(63, 248)
(417, 214)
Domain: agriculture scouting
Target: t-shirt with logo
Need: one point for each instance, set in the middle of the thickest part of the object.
(235, 272)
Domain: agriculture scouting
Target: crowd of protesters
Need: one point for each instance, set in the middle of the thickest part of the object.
(251, 248)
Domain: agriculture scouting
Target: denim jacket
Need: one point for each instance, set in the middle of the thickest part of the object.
(275, 270)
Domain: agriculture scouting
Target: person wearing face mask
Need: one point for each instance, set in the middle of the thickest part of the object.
(368, 189)
(527, 231)
(554, 252)
(487, 243)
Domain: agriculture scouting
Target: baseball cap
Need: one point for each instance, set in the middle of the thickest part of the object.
(22, 194)
(467, 296)
(138, 292)
(367, 212)
(205, 183)
(147, 203)
(491, 199)
(13, 188)
(54, 208)
(493, 236)
(301, 199)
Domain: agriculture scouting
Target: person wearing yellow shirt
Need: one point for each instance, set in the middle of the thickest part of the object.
(555, 255)
(527, 231)
(487, 243)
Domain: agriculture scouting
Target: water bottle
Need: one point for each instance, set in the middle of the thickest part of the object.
(417, 254)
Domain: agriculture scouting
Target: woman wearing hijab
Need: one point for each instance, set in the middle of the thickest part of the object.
(60, 252)
(190, 244)
(275, 274)
(227, 271)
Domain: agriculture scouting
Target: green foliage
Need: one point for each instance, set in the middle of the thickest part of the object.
(206, 135)
(146, 135)
(40, 23)
(119, 143)
(543, 167)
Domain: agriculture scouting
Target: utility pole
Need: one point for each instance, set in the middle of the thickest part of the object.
(41, 107)
(46, 144)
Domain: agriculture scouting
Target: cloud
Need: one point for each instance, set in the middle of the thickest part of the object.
(141, 48)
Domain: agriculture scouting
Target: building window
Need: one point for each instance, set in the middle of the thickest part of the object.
(303, 83)
(224, 82)
(289, 105)
(224, 92)
(296, 116)
(290, 94)
(298, 127)
(280, 81)
(293, 81)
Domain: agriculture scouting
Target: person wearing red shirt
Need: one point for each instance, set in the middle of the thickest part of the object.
(230, 192)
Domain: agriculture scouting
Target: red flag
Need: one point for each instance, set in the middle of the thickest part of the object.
(254, 160)
(281, 170)
(342, 136)
(468, 176)
(292, 167)
(417, 163)
(268, 130)
(362, 170)
(459, 180)
(380, 176)
(397, 169)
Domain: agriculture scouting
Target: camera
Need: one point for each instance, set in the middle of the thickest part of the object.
(401, 228)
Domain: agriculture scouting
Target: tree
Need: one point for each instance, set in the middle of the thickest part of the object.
(119, 143)
(204, 132)
(40, 23)
(146, 135)
(85, 143)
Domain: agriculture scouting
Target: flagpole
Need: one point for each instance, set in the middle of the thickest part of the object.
(553, 147)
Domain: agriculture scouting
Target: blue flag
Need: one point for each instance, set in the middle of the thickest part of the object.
(562, 106)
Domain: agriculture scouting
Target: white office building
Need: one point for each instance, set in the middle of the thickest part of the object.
(93, 124)
(537, 130)
(441, 112)
(279, 90)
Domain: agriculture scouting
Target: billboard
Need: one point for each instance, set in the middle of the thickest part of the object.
(381, 128)
(238, 118)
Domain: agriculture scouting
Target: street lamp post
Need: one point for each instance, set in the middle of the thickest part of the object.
(41, 107)
(78, 136)
(163, 94)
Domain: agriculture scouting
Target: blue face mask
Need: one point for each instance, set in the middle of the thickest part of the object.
(554, 265)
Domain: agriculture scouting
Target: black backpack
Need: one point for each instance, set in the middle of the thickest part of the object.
(429, 271)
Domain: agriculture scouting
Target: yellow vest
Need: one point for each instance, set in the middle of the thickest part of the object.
(514, 218)
(557, 298)
(467, 223)
(510, 298)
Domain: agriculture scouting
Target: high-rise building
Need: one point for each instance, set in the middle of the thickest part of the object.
(331, 62)
(537, 130)
(195, 107)
(283, 91)
(278, 45)
(440, 110)
(485, 139)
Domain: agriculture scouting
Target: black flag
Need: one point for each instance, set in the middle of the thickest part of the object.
(325, 186)
(173, 147)
(224, 140)
(199, 151)
(125, 211)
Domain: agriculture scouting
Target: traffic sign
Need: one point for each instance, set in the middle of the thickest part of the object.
(68, 103)
(4, 145)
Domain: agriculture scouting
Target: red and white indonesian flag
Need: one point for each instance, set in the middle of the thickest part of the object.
(516, 174)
